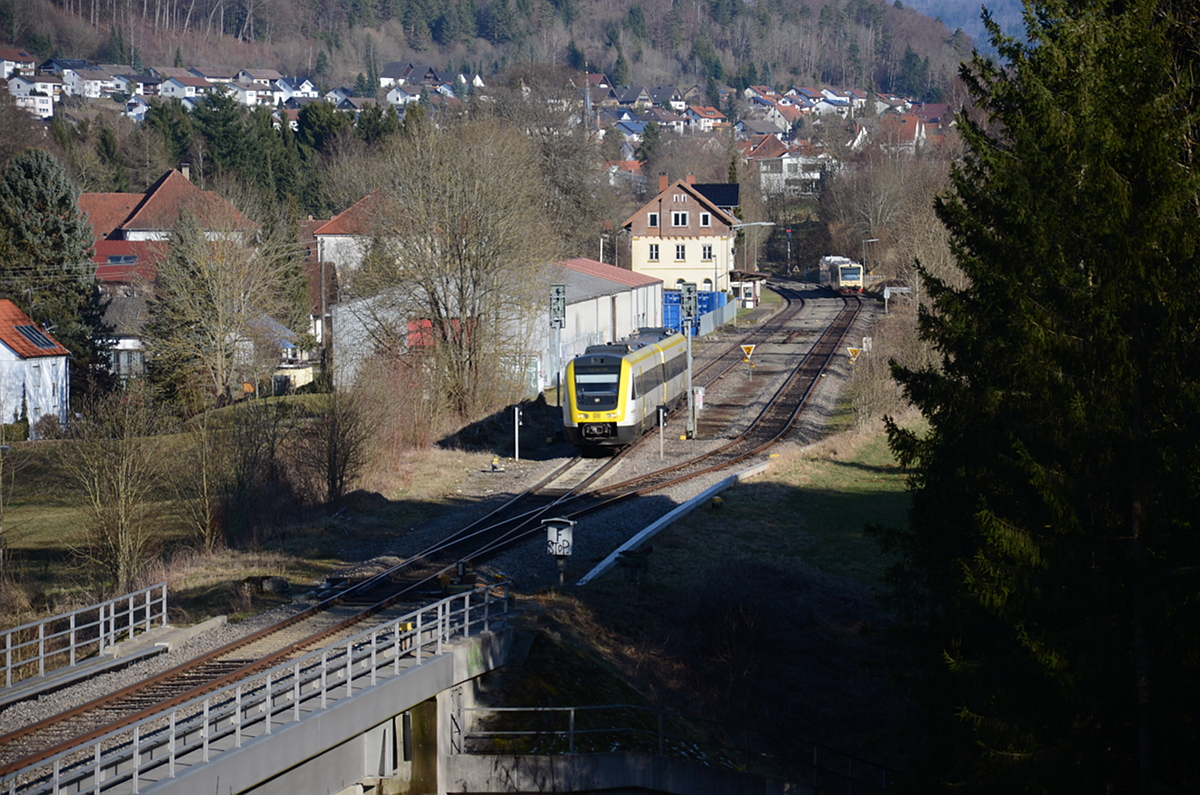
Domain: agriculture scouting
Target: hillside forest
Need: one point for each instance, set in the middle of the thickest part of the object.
(852, 44)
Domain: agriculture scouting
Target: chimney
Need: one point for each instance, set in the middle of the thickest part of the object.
(662, 182)
(690, 179)
(186, 168)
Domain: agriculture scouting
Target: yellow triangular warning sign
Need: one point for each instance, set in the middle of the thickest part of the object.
(854, 353)
(747, 349)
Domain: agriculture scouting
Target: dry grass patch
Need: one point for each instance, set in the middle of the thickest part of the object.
(206, 584)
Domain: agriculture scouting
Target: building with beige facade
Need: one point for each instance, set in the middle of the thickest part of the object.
(682, 236)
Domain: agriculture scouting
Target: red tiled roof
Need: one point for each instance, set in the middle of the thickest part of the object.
(612, 273)
(174, 193)
(901, 128)
(632, 166)
(680, 185)
(706, 111)
(107, 211)
(145, 269)
(10, 318)
(357, 219)
(16, 55)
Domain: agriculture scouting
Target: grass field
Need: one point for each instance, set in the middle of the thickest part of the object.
(43, 532)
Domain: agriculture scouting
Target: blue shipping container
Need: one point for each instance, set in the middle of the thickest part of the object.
(671, 307)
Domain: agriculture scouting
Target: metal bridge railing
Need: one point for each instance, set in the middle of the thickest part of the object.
(202, 729)
(35, 648)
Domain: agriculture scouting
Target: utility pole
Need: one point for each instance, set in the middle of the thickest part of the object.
(689, 304)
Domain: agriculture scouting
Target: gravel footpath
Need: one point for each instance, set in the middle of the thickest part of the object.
(527, 565)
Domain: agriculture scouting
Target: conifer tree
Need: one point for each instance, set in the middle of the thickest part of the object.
(620, 69)
(47, 269)
(1049, 570)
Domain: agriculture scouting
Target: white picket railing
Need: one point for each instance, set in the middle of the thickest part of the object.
(200, 730)
(39, 647)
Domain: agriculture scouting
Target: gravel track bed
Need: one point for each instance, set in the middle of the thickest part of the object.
(526, 565)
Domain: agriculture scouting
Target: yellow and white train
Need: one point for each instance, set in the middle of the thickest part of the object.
(613, 390)
(841, 275)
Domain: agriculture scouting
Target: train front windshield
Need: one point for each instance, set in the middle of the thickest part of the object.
(851, 275)
(596, 386)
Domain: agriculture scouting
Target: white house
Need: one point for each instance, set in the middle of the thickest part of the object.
(401, 96)
(346, 238)
(14, 60)
(289, 87)
(244, 93)
(832, 107)
(703, 117)
(46, 85)
(136, 108)
(90, 83)
(263, 77)
(184, 87)
(796, 172)
(34, 369)
(35, 104)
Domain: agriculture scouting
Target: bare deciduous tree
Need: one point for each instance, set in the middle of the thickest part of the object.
(197, 482)
(333, 450)
(461, 245)
(220, 281)
(118, 464)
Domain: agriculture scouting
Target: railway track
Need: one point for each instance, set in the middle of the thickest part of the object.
(571, 490)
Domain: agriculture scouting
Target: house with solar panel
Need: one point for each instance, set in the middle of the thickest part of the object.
(34, 370)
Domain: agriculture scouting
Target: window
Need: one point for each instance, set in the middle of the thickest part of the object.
(705, 219)
(654, 252)
(706, 252)
(652, 220)
(679, 219)
(680, 251)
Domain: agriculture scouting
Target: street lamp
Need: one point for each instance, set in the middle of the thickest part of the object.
(864, 252)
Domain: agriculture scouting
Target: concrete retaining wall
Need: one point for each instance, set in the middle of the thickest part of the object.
(612, 773)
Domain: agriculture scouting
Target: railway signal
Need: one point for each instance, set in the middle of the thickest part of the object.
(558, 321)
(559, 540)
